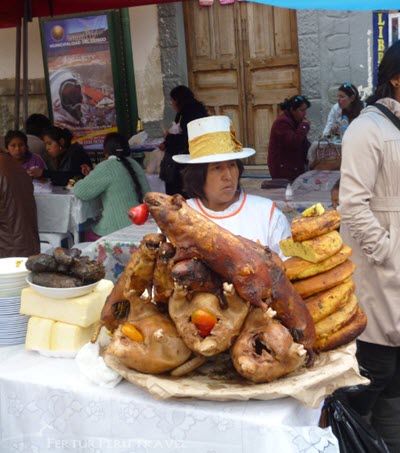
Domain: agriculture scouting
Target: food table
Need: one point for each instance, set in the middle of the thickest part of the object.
(47, 406)
(309, 188)
(59, 211)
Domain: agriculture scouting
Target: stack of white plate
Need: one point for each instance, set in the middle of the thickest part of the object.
(12, 280)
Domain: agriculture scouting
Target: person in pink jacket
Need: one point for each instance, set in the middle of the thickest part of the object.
(288, 143)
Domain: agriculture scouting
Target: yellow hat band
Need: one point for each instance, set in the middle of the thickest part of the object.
(214, 143)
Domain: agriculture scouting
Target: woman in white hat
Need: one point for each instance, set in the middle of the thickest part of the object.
(211, 179)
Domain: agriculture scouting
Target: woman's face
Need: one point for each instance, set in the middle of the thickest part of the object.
(344, 100)
(53, 148)
(220, 188)
(300, 113)
(175, 105)
(17, 148)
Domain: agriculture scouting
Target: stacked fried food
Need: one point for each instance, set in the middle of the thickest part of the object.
(320, 270)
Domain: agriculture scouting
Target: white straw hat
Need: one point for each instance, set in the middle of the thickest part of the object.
(212, 139)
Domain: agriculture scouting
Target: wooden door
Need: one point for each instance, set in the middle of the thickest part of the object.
(243, 61)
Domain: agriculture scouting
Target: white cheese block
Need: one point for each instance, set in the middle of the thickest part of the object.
(38, 334)
(81, 311)
(67, 337)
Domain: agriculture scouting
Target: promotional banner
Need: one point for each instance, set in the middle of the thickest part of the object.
(79, 70)
(380, 40)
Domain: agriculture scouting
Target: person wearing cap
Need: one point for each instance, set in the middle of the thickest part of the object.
(288, 143)
(347, 108)
(211, 180)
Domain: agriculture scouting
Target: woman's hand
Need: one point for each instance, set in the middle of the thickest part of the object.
(35, 172)
(335, 130)
(85, 169)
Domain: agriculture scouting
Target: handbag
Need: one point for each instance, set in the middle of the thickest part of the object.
(328, 156)
(168, 169)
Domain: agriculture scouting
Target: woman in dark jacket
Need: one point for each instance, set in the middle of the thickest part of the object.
(176, 142)
(288, 143)
(66, 160)
(19, 235)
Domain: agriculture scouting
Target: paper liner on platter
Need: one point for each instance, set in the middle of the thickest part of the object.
(218, 380)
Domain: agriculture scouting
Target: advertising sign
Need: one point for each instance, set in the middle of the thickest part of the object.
(80, 77)
(380, 39)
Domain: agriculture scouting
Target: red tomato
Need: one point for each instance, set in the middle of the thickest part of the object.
(204, 321)
(139, 214)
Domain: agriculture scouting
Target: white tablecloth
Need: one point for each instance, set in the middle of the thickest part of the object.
(47, 406)
(61, 212)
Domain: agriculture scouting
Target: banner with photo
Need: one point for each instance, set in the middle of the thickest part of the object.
(80, 76)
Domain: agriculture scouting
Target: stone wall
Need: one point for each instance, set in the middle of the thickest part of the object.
(334, 47)
(37, 102)
(173, 59)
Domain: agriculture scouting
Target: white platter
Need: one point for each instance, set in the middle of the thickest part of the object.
(12, 267)
(61, 293)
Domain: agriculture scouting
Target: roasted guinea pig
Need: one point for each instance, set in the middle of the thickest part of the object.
(194, 276)
(140, 269)
(163, 283)
(265, 350)
(148, 342)
(201, 322)
(116, 308)
(254, 270)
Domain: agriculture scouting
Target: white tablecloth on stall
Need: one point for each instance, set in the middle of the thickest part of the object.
(61, 212)
(47, 406)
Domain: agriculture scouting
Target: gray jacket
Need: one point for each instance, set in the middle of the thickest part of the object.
(369, 200)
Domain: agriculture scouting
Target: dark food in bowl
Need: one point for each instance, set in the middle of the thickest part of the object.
(41, 263)
(64, 269)
(56, 280)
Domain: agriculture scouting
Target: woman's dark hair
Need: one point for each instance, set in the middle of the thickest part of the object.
(116, 144)
(36, 124)
(57, 133)
(182, 95)
(194, 178)
(11, 134)
(294, 102)
(354, 109)
(388, 68)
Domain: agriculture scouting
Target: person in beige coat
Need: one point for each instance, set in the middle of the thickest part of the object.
(369, 203)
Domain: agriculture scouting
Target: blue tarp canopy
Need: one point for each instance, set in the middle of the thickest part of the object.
(347, 5)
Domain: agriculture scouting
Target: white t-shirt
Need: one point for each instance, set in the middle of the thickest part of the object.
(252, 217)
(334, 117)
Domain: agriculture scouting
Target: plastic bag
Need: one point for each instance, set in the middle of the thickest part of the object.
(354, 434)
